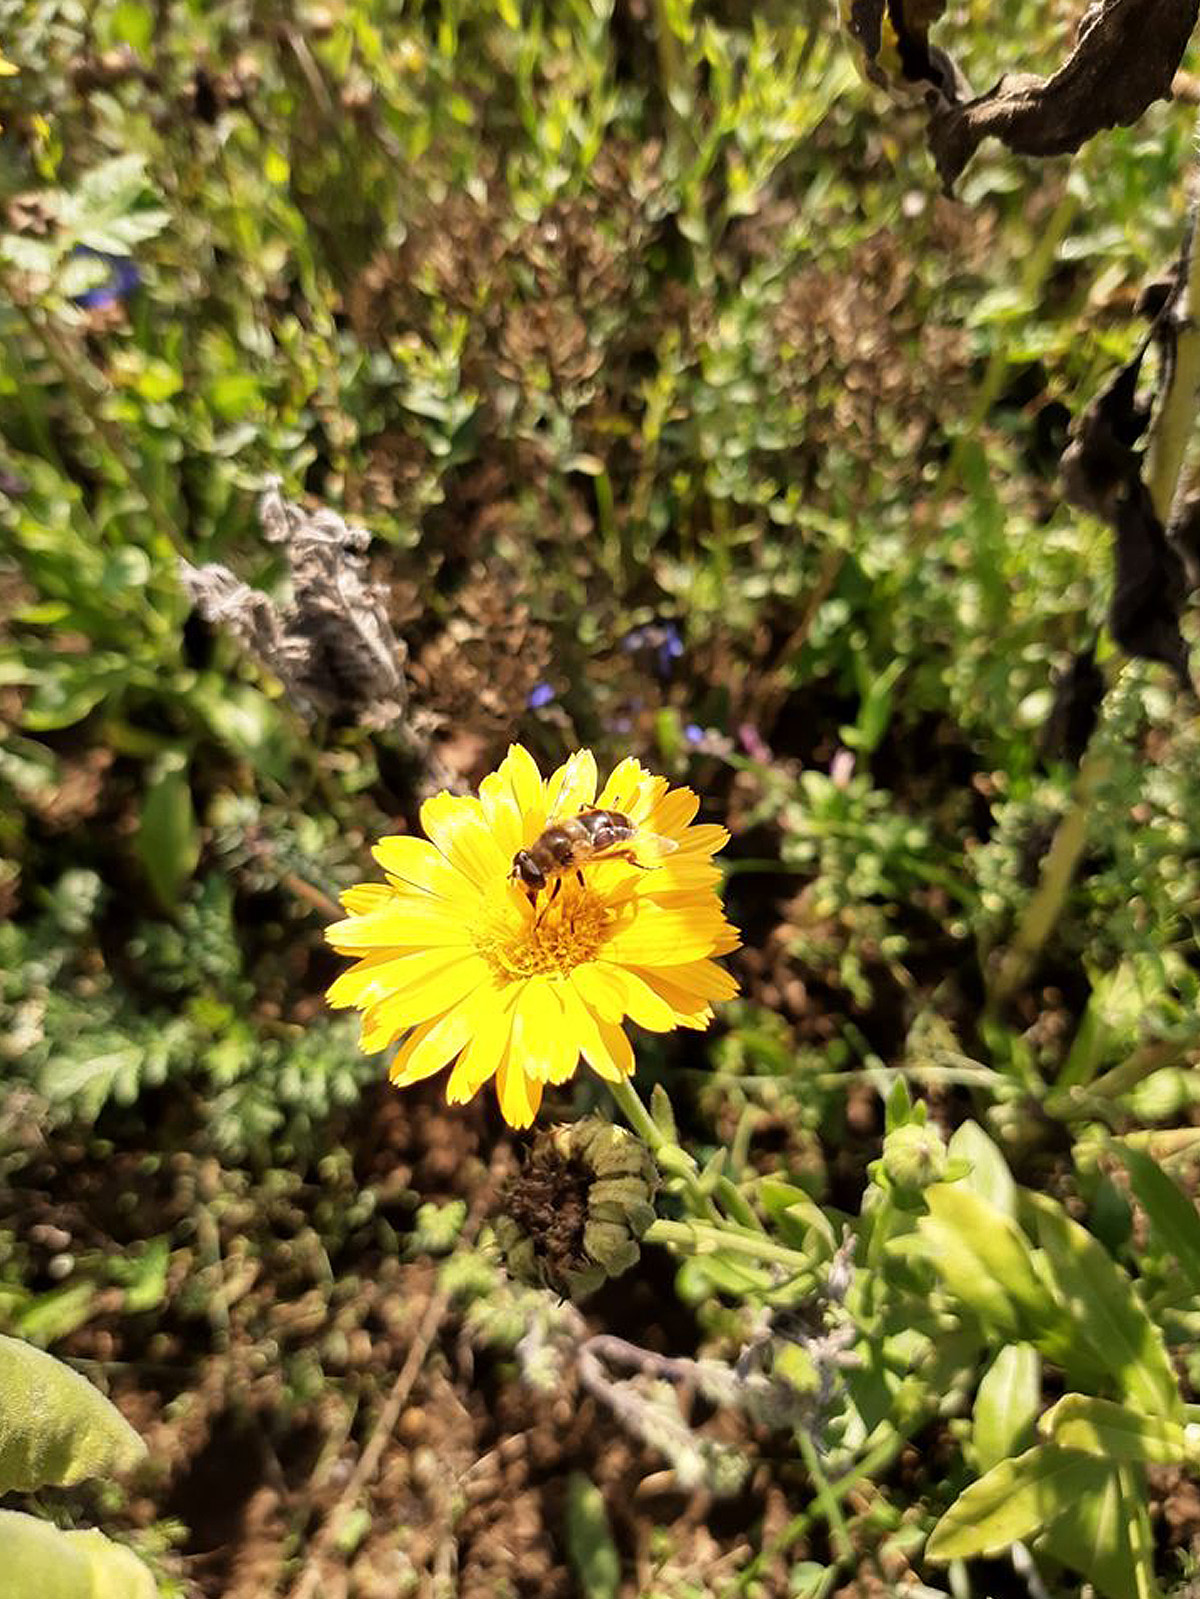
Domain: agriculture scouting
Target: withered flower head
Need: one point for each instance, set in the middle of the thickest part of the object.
(574, 1216)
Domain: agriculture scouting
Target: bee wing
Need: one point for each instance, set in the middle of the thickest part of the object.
(651, 849)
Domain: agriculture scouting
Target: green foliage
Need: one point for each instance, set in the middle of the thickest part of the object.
(590, 1545)
(54, 1426)
(41, 1560)
(596, 331)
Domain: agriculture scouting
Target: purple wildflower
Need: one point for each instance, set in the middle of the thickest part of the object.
(540, 695)
(123, 278)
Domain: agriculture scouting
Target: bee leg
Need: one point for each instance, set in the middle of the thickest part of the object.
(580, 878)
(628, 855)
(550, 898)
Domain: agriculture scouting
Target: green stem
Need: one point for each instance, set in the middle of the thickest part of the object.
(1175, 420)
(639, 1118)
(1042, 913)
(843, 1546)
(705, 1238)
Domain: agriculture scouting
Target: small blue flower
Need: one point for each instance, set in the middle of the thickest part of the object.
(123, 278)
(694, 733)
(661, 637)
(540, 695)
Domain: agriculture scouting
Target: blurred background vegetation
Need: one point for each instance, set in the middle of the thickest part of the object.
(688, 418)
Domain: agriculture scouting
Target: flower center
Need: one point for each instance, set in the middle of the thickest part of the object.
(563, 932)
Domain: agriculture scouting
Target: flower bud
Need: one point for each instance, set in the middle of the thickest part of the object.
(913, 1158)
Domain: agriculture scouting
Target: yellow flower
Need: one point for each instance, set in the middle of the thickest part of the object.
(454, 959)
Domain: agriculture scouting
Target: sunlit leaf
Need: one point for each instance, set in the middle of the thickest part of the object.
(1006, 1405)
(1013, 1501)
(42, 1562)
(55, 1427)
(1106, 1310)
(1114, 1432)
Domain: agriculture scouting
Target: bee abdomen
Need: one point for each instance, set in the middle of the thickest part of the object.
(605, 828)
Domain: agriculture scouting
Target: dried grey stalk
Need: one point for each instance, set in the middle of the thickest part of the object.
(332, 645)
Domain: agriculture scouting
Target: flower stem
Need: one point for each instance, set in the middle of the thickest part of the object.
(703, 1238)
(635, 1113)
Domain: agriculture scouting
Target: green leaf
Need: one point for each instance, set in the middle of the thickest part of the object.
(53, 1315)
(55, 1428)
(989, 1176)
(1173, 1217)
(42, 1562)
(132, 24)
(590, 1546)
(1006, 1406)
(168, 839)
(663, 1113)
(1013, 1501)
(1114, 1432)
(1105, 1535)
(986, 1262)
(70, 688)
(1106, 1311)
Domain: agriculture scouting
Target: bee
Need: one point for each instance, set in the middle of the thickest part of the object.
(568, 843)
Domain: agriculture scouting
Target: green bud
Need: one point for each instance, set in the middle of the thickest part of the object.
(913, 1158)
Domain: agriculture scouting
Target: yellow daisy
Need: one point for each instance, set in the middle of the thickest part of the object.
(455, 959)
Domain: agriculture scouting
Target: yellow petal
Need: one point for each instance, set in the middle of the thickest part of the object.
(664, 937)
(430, 1047)
(673, 812)
(417, 866)
(706, 839)
(541, 1044)
(482, 1056)
(646, 796)
(514, 801)
(519, 1095)
(457, 825)
(609, 1052)
(572, 788)
(423, 988)
(349, 988)
(365, 897)
(640, 1002)
(399, 924)
(617, 794)
(701, 980)
(600, 989)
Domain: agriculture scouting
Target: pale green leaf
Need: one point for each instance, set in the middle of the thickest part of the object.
(986, 1262)
(989, 1176)
(1107, 1312)
(1104, 1534)
(168, 840)
(55, 1428)
(1006, 1406)
(1173, 1216)
(590, 1546)
(39, 1561)
(1012, 1502)
(1103, 1427)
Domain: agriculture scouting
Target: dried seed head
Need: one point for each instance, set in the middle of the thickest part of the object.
(333, 647)
(573, 1217)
